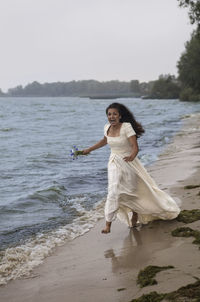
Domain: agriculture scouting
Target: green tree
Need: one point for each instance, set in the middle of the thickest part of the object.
(1, 93)
(189, 69)
(17, 91)
(194, 10)
(135, 86)
(166, 87)
(189, 63)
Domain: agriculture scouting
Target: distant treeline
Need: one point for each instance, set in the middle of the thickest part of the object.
(165, 87)
(85, 88)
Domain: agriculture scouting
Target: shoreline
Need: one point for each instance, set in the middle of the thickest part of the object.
(96, 266)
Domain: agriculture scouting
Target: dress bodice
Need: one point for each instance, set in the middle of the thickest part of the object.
(120, 144)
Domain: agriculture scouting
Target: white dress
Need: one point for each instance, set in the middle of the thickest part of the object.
(131, 188)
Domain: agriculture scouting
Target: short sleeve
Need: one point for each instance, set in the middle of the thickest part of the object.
(129, 131)
(106, 129)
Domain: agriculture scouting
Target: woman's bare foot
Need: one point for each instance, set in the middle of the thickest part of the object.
(134, 219)
(107, 228)
(105, 231)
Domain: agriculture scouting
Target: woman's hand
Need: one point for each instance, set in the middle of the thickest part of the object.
(129, 158)
(86, 151)
(133, 142)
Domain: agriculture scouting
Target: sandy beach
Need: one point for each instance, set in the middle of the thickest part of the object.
(97, 267)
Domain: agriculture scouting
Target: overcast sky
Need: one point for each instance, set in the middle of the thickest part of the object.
(64, 40)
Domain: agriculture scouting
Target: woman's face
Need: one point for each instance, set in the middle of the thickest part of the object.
(113, 116)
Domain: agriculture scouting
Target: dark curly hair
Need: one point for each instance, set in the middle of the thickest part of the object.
(127, 116)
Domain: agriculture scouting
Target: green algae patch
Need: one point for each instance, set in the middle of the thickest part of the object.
(146, 276)
(191, 187)
(152, 297)
(189, 216)
(187, 232)
(190, 292)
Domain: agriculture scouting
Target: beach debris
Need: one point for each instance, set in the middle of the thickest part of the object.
(121, 289)
(190, 292)
(146, 276)
(187, 232)
(188, 216)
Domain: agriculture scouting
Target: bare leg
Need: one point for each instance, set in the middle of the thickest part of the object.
(134, 219)
(107, 228)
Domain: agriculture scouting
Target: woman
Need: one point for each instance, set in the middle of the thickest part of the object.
(132, 193)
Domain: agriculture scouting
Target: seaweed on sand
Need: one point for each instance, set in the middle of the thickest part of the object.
(191, 187)
(187, 232)
(121, 289)
(190, 292)
(151, 297)
(188, 216)
(146, 276)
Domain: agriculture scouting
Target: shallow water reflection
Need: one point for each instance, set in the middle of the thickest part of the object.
(140, 246)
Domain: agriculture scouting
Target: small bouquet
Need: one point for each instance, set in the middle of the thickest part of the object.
(74, 153)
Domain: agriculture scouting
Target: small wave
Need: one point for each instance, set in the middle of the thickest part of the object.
(49, 155)
(6, 129)
(53, 193)
(51, 158)
(19, 261)
(161, 142)
(44, 110)
(147, 159)
(189, 115)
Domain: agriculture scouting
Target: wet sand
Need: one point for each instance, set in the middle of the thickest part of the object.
(97, 267)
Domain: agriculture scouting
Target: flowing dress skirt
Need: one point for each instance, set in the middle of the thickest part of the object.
(131, 188)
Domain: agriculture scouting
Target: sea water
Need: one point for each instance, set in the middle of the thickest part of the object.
(46, 197)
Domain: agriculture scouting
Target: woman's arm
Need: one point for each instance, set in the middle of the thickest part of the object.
(98, 145)
(133, 142)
